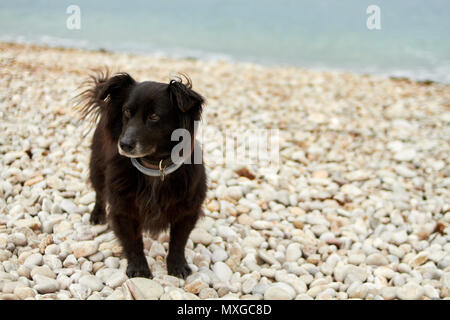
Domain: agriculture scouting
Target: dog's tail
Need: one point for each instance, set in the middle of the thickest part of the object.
(89, 102)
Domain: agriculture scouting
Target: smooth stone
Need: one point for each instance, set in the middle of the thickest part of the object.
(404, 171)
(64, 281)
(405, 155)
(445, 284)
(444, 262)
(88, 198)
(222, 271)
(208, 293)
(143, 289)
(84, 248)
(116, 295)
(293, 252)
(80, 291)
(52, 249)
(248, 285)
(97, 266)
(267, 257)
(96, 257)
(303, 296)
(105, 273)
(410, 291)
(399, 237)
(9, 286)
(5, 255)
(279, 291)
(225, 232)
(8, 296)
(116, 279)
(70, 261)
(157, 249)
(245, 219)
(419, 259)
(45, 284)
(340, 273)
(43, 271)
(32, 223)
(261, 225)
(385, 272)
(87, 266)
(431, 292)
(33, 260)
(68, 206)
(355, 274)
(235, 192)
(195, 286)
(23, 292)
(62, 227)
(357, 290)
(92, 282)
(24, 271)
(219, 255)
(19, 239)
(199, 235)
(112, 262)
(299, 285)
(252, 241)
(170, 281)
(377, 259)
(404, 268)
(95, 296)
(389, 293)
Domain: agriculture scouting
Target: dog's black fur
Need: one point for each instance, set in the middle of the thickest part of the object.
(128, 113)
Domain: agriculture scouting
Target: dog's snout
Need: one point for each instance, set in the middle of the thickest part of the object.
(127, 145)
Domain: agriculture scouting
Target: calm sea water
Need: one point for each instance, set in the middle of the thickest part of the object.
(414, 40)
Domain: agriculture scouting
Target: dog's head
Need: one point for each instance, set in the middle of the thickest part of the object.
(141, 116)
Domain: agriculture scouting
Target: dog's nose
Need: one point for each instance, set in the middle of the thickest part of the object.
(127, 146)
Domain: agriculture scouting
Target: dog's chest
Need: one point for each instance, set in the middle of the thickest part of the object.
(158, 204)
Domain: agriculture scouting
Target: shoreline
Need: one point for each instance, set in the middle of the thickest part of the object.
(156, 55)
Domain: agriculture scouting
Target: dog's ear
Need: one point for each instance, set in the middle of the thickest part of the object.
(186, 99)
(93, 100)
(104, 96)
(115, 86)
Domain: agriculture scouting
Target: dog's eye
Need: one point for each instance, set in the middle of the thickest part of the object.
(153, 117)
(127, 113)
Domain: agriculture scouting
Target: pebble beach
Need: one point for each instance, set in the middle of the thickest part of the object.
(358, 207)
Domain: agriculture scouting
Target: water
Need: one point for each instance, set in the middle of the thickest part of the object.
(414, 40)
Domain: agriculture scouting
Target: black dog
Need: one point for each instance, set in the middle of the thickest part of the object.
(136, 121)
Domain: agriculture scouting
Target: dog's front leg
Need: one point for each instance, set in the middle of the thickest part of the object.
(129, 232)
(179, 233)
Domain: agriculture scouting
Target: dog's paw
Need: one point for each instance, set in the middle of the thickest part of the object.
(95, 219)
(178, 269)
(138, 270)
(98, 216)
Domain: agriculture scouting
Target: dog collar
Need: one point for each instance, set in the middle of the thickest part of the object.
(164, 168)
(161, 172)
